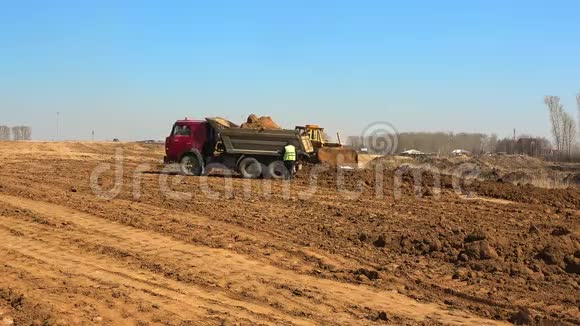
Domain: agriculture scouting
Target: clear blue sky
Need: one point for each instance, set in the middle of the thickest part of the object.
(128, 69)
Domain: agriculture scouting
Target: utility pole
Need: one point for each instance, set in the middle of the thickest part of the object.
(93, 135)
(57, 125)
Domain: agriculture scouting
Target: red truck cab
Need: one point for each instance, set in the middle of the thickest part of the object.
(187, 136)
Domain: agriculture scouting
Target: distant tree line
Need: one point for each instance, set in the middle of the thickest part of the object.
(15, 133)
(564, 134)
(441, 143)
(4, 133)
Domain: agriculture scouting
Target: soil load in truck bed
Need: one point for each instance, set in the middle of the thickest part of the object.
(255, 122)
(256, 141)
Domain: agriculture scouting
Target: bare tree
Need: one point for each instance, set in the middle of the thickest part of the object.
(556, 111)
(489, 143)
(26, 133)
(568, 132)
(4, 133)
(16, 133)
(21, 133)
(578, 104)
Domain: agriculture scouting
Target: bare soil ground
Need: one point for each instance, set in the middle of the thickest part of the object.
(171, 250)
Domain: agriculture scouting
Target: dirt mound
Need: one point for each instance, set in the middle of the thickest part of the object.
(522, 317)
(574, 180)
(387, 162)
(329, 176)
(515, 177)
(559, 198)
(513, 162)
(264, 122)
(480, 250)
(514, 169)
(444, 165)
(23, 311)
(420, 180)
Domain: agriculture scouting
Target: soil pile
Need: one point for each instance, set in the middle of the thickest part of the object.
(574, 179)
(514, 169)
(559, 198)
(413, 181)
(406, 180)
(264, 122)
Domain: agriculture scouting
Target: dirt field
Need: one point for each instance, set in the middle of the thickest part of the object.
(213, 251)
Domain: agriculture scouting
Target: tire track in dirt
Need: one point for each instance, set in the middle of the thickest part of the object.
(340, 295)
(55, 295)
(285, 248)
(179, 299)
(32, 187)
(158, 260)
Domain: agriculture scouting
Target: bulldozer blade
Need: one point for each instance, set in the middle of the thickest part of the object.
(338, 156)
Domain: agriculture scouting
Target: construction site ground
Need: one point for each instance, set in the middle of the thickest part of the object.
(246, 252)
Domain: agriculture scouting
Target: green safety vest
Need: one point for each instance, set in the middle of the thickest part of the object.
(290, 153)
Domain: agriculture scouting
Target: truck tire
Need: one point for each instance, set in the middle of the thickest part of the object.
(277, 171)
(250, 168)
(191, 164)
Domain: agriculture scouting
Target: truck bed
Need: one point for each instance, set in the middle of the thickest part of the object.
(257, 141)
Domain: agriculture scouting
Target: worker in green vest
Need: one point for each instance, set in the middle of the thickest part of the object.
(290, 160)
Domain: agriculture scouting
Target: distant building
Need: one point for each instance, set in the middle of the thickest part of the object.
(532, 146)
(412, 152)
(461, 152)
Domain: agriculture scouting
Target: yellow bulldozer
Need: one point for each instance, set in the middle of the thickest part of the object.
(334, 154)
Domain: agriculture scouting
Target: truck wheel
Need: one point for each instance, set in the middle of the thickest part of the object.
(191, 164)
(277, 170)
(250, 168)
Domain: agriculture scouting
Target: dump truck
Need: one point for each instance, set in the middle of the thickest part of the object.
(253, 153)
